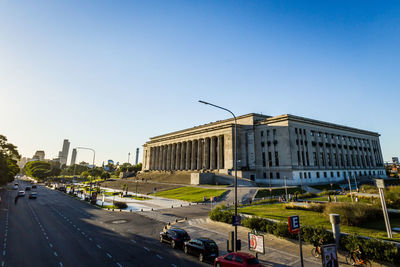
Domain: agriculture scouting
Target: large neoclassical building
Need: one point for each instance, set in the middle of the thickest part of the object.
(301, 150)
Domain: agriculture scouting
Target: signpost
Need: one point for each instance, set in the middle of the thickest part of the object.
(329, 256)
(294, 227)
(380, 183)
(256, 243)
(236, 220)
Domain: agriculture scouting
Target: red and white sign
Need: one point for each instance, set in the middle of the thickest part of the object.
(294, 224)
(256, 243)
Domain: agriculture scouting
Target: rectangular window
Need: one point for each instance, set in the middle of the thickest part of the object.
(301, 175)
(329, 159)
(278, 175)
(312, 133)
(321, 154)
(265, 175)
(308, 159)
(269, 159)
(309, 175)
(325, 175)
(274, 132)
(262, 133)
(263, 159)
(317, 174)
(335, 159)
(262, 144)
(271, 175)
(315, 158)
(295, 130)
(267, 132)
(338, 174)
(332, 175)
(298, 158)
(276, 158)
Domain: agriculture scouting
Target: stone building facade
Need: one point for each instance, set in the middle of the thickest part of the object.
(271, 150)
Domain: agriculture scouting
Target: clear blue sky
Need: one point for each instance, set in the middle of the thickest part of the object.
(111, 74)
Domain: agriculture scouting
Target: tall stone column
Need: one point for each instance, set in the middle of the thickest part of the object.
(199, 154)
(206, 158)
(194, 155)
(156, 158)
(159, 158)
(213, 154)
(173, 151)
(188, 156)
(151, 158)
(178, 156)
(169, 159)
(220, 152)
(183, 156)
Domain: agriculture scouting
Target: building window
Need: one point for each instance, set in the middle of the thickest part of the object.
(312, 133)
(332, 175)
(295, 130)
(317, 174)
(301, 175)
(262, 133)
(325, 175)
(338, 174)
(262, 144)
(276, 158)
(329, 159)
(267, 132)
(263, 159)
(322, 158)
(274, 132)
(298, 158)
(309, 175)
(308, 159)
(269, 159)
(271, 175)
(319, 134)
(278, 175)
(265, 175)
(304, 132)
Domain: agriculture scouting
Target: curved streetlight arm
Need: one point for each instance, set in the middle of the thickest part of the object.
(235, 161)
(94, 157)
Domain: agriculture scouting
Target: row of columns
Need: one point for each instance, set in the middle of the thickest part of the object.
(206, 153)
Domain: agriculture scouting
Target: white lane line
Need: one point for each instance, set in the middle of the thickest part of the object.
(2, 263)
(146, 249)
(158, 256)
(90, 239)
(51, 245)
(134, 241)
(119, 264)
(98, 246)
(55, 254)
(61, 265)
(173, 265)
(108, 255)
(4, 252)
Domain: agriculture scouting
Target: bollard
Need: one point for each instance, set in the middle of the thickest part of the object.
(185, 218)
(181, 205)
(189, 204)
(151, 209)
(335, 220)
(172, 207)
(131, 210)
(141, 209)
(120, 210)
(176, 220)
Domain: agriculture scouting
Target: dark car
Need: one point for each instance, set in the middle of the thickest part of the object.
(237, 259)
(204, 248)
(27, 188)
(175, 236)
(34, 186)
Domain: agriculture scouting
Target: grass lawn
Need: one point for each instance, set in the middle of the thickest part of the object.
(342, 198)
(374, 228)
(192, 194)
(276, 192)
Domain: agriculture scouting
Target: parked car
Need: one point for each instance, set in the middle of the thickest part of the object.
(21, 193)
(32, 195)
(28, 188)
(34, 186)
(204, 248)
(175, 236)
(237, 259)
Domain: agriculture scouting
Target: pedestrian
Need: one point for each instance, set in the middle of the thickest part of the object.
(373, 200)
(356, 199)
(329, 198)
(335, 198)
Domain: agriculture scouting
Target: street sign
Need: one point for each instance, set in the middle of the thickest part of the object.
(236, 220)
(329, 256)
(256, 243)
(380, 183)
(215, 199)
(294, 224)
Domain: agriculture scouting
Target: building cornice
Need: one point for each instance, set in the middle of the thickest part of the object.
(289, 117)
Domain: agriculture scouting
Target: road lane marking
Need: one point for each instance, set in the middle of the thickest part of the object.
(158, 256)
(108, 254)
(98, 246)
(61, 265)
(51, 245)
(173, 265)
(119, 264)
(146, 249)
(134, 241)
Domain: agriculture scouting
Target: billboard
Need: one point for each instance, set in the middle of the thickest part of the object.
(256, 243)
(395, 160)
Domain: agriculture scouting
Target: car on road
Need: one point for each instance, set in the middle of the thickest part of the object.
(32, 195)
(175, 236)
(15, 186)
(204, 248)
(237, 259)
(21, 193)
(28, 188)
(34, 186)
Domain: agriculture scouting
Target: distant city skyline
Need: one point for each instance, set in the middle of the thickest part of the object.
(110, 75)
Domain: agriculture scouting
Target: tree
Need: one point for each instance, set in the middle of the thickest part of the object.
(39, 169)
(85, 174)
(105, 175)
(8, 161)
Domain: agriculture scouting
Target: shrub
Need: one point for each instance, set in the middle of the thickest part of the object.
(392, 196)
(307, 195)
(353, 214)
(258, 224)
(366, 188)
(374, 249)
(310, 207)
(327, 193)
(220, 214)
(120, 205)
(314, 234)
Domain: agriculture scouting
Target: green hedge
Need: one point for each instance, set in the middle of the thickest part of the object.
(120, 205)
(353, 214)
(374, 249)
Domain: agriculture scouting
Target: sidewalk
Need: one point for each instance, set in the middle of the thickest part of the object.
(278, 252)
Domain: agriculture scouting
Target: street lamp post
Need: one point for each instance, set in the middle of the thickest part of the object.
(235, 161)
(94, 157)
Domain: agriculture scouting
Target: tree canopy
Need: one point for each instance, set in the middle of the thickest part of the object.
(8, 160)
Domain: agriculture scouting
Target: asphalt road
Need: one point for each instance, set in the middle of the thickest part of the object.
(58, 230)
